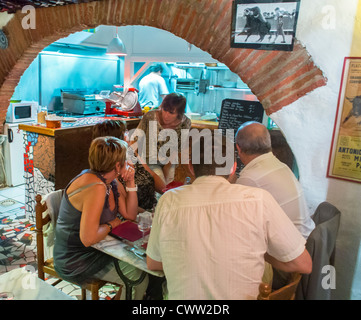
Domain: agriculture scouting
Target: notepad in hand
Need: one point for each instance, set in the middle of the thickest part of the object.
(127, 230)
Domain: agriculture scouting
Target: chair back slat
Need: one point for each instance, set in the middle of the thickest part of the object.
(285, 293)
(39, 209)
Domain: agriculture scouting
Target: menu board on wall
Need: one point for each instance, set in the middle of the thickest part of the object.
(345, 155)
(235, 112)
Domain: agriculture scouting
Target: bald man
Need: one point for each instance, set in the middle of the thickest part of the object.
(263, 170)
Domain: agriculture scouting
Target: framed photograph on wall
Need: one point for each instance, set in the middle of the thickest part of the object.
(264, 24)
(345, 154)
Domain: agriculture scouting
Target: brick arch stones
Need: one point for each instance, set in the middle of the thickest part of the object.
(277, 78)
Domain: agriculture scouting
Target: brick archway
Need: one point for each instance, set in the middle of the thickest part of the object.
(277, 78)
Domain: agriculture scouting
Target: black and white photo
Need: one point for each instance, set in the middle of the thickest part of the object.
(264, 25)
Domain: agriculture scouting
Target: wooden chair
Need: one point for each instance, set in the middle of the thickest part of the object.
(285, 293)
(47, 266)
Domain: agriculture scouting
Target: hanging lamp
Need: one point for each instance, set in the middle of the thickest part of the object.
(116, 46)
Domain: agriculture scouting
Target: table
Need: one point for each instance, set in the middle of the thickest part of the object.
(25, 285)
(117, 249)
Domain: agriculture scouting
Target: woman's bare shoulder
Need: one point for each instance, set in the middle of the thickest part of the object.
(87, 179)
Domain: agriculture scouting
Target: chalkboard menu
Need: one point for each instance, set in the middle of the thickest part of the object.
(235, 112)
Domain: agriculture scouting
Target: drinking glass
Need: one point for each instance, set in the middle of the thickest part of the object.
(6, 296)
(144, 223)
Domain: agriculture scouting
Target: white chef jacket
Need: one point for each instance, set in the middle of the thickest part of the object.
(268, 173)
(151, 87)
(211, 237)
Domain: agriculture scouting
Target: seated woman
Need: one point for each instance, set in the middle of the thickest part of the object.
(90, 208)
(146, 180)
(170, 115)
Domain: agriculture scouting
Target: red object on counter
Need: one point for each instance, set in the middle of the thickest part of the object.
(136, 112)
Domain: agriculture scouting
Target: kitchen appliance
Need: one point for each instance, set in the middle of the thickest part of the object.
(14, 150)
(196, 85)
(81, 102)
(123, 103)
(22, 112)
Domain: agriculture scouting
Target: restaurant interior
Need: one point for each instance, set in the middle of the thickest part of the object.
(67, 65)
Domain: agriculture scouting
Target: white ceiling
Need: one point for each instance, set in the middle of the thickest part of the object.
(140, 42)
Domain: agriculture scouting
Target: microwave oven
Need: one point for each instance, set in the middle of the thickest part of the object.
(22, 112)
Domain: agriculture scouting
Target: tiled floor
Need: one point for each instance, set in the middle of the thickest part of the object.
(18, 240)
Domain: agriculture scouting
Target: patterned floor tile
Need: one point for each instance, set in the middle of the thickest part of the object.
(18, 243)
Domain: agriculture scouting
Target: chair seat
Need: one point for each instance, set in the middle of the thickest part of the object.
(49, 268)
(92, 285)
(49, 263)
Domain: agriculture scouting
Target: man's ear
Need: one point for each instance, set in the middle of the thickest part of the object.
(238, 149)
(234, 168)
(232, 178)
(190, 167)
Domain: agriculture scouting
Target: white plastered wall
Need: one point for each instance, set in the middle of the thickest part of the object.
(326, 28)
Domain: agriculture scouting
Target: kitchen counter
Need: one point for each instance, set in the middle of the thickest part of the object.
(76, 123)
(201, 124)
(90, 121)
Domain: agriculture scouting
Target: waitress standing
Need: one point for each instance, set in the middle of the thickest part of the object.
(170, 115)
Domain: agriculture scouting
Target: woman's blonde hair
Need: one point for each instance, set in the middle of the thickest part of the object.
(105, 152)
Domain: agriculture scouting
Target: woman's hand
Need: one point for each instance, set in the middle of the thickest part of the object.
(116, 222)
(128, 174)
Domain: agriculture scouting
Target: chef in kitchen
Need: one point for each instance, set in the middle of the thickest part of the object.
(152, 88)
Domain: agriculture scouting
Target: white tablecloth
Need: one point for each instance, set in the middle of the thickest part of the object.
(25, 285)
(115, 248)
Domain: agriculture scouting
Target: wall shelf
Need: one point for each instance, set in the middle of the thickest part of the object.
(218, 68)
(212, 88)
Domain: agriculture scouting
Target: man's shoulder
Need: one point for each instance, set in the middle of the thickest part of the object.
(246, 192)
(262, 165)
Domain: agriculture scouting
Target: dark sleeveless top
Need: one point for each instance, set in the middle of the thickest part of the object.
(72, 260)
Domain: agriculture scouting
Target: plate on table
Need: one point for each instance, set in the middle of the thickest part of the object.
(69, 119)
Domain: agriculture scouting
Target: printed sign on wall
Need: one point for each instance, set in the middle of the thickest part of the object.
(345, 155)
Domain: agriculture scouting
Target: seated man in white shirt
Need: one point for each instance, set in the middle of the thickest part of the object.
(211, 238)
(263, 170)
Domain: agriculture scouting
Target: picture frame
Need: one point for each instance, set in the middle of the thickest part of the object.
(264, 24)
(345, 152)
